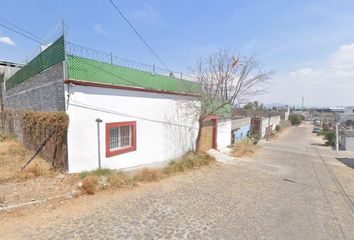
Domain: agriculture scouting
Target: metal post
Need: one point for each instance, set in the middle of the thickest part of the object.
(111, 58)
(337, 137)
(153, 69)
(98, 142)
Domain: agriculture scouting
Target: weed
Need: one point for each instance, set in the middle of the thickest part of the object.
(244, 147)
(13, 156)
(98, 172)
(89, 184)
(148, 175)
(188, 161)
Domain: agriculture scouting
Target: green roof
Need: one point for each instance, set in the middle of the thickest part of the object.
(99, 72)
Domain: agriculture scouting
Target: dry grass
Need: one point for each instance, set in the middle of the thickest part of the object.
(244, 147)
(118, 179)
(188, 161)
(148, 175)
(89, 184)
(13, 156)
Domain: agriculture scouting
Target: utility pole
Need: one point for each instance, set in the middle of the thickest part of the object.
(302, 104)
(337, 137)
(321, 122)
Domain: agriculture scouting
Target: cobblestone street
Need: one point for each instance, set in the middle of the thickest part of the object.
(286, 191)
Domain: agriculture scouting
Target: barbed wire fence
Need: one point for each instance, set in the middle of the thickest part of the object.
(106, 57)
(58, 31)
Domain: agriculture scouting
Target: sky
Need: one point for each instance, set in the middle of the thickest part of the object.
(308, 44)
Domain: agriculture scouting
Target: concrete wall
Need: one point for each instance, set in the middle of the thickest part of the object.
(266, 121)
(165, 127)
(240, 128)
(240, 122)
(349, 144)
(242, 132)
(224, 133)
(41, 92)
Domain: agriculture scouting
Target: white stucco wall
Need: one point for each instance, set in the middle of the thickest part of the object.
(224, 134)
(166, 128)
(269, 121)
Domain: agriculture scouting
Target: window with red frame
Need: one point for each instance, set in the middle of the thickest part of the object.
(120, 138)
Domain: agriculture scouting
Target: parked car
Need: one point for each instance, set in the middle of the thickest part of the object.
(316, 130)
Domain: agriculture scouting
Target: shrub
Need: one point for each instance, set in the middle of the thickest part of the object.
(89, 184)
(244, 147)
(277, 128)
(295, 119)
(188, 161)
(255, 138)
(330, 136)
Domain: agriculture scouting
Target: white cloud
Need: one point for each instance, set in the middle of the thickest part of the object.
(147, 14)
(99, 29)
(329, 85)
(7, 40)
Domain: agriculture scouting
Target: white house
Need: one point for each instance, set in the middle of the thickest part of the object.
(119, 117)
(120, 129)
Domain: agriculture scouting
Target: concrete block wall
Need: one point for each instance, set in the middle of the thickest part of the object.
(41, 92)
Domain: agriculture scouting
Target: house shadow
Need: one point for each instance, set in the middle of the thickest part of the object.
(347, 161)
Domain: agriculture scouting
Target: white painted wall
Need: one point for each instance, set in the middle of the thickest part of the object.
(166, 127)
(224, 133)
(266, 121)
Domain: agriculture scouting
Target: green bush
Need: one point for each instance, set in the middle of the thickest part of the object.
(295, 119)
(277, 128)
(330, 136)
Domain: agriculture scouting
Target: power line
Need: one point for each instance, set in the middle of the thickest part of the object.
(21, 29)
(137, 33)
(22, 34)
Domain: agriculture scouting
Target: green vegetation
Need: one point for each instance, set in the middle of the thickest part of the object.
(295, 119)
(329, 136)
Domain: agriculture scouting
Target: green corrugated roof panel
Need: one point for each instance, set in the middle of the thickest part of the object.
(99, 72)
(49, 57)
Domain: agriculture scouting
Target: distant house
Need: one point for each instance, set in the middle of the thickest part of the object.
(120, 117)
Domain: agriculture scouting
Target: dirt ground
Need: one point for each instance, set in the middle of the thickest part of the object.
(36, 182)
(287, 191)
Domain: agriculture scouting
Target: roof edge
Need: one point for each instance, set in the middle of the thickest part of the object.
(121, 87)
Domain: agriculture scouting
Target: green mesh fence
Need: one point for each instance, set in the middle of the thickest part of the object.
(99, 72)
(54, 54)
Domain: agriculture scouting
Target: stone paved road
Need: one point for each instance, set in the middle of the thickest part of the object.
(290, 190)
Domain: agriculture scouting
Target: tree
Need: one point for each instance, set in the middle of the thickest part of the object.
(226, 80)
(254, 106)
(295, 119)
(330, 136)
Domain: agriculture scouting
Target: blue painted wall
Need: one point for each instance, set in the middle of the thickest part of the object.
(241, 133)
